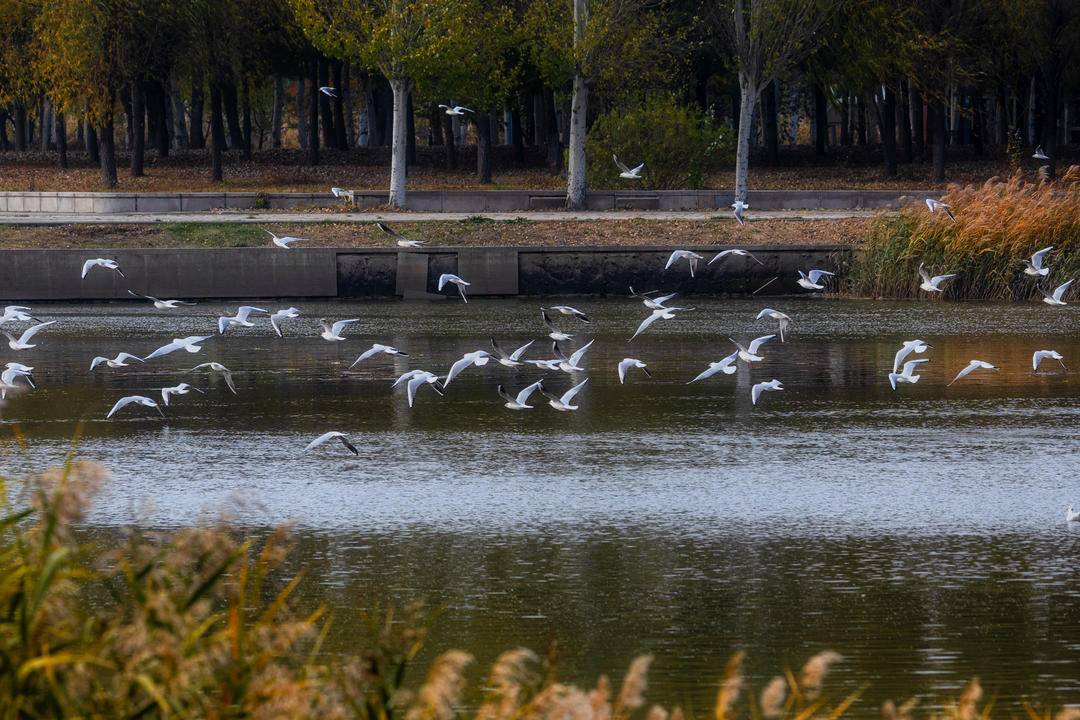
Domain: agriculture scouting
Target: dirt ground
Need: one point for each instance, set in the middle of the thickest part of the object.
(368, 169)
(472, 232)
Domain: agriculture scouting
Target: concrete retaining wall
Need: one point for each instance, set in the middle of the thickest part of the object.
(452, 201)
(33, 275)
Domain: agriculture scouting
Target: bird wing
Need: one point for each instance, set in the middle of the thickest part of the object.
(33, 329)
(663, 298)
(619, 164)
(97, 361)
(902, 353)
(499, 351)
(405, 376)
(623, 366)
(580, 353)
(389, 231)
(341, 325)
(892, 379)
(656, 315)
(755, 392)
(516, 355)
(569, 394)
(122, 403)
(443, 279)
(459, 107)
(227, 374)
(752, 256)
(365, 355)
(165, 350)
(638, 169)
(273, 323)
(457, 368)
(413, 384)
(505, 395)
(756, 343)
(523, 396)
(816, 275)
(941, 278)
(244, 311)
(720, 255)
(127, 356)
(964, 373)
(708, 373)
(144, 297)
(548, 321)
(87, 265)
(322, 439)
(1059, 292)
(910, 365)
(1038, 257)
(674, 256)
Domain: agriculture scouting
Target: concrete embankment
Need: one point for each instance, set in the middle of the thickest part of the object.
(452, 201)
(34, 275)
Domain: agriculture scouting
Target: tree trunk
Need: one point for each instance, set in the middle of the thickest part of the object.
(860, 120)
(46, 125)
(400, 89)
(92, 144)
(845, 121)
(138, 132)
(19, 116)
(821, 121)
(108, 155)
(977, 121)
(410, 134)
(350, 116)
(747, 98)
(517, 137)
(904, 117)
(551, 134)
(579, 107)
(1051, 92)
(483, 147)
(451, 143)
(277, 113)
(329, 136)
(313, 114)
(196, 141)
(339, 110)
(918, 130)
(301, 114)
(1002, 115)
(217, 132)
(939, 134)
(885, 109)
(161, 112)
(435, 118)
(179, 126)
(61, 140)
(769, 124)
(232, 114)
(245, 102)
(3, 131)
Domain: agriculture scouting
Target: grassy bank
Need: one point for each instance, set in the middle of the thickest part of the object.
(998, 224)
(202, 623)
(475, 232)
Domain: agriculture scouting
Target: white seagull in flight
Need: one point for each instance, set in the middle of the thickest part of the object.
(666, 313)
(240, 319)
(750, 354)
(739, 207)
(653, 303)
(284, 242)
(479, 358)
(1035, 264)
(226, 373)
(509, 359)
(192, 344)
(332, 435)
(556, 334)
(972, 367)
(627, 173)
(450, 278)
(137, 399)
(735, 251)
(691, 257)
(284, 314)
(756, 390)
(17, 313)
(1041, 355)
(906, 376)
(160, 304)
(776, 315)
(119, 361)
(627, 363)
(727, 366)
(521, 400)
(932, 284)
(102, 263)
(455, 109)
(375, 350)
(810, 280)
(908, 347)
(181, 389)
(339, 193)
(936, 205)
(23, 343)
(414, 379)
(332, 333)
(571, 311)
(571, 364)
(1059, 292)
(562, 403)
(402, 241)
(1039, 154)
(328, 91)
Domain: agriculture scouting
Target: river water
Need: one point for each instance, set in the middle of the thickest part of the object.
(921, 533)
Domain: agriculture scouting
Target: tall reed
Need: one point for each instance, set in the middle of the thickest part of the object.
(997, 226)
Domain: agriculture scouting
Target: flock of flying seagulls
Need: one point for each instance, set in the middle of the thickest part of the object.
(904, 370)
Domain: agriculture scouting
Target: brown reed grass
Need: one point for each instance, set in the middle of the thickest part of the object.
(997, 226)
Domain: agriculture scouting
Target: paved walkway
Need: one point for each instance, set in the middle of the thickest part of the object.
(398, 217)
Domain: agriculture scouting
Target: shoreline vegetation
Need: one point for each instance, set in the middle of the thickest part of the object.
(998, 225)
(203, 623)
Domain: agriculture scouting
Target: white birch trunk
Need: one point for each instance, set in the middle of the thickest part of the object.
(397, 153)
(747, 98)
(575, 182)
